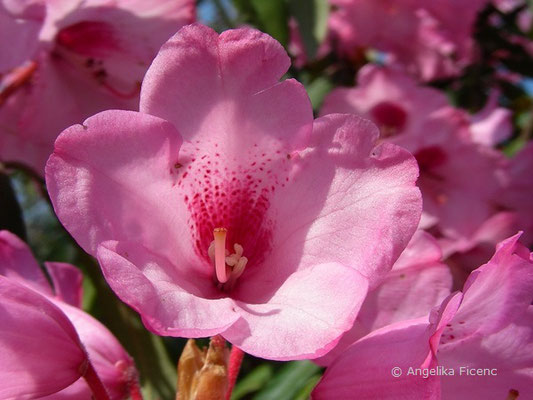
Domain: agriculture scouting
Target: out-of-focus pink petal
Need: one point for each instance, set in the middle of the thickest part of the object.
(492, 125)
(390, 98)
(152, 286)
(104, 190)
(516, 194)
(67, 281)
(41, 352)
(91, 55)
(18, 264)
(111, 362)
(79, 390)
(18, 40)
(304, 318)
(414, 286)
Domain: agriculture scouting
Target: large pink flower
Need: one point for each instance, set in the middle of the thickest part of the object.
(250, 225)
(63, 61)
(488, 326)
(458, 177)
(46, 338)
(432, 39)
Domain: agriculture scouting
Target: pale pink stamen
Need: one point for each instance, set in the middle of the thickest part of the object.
(220, 254)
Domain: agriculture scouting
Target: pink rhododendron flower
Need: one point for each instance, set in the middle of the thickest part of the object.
(492, 125)
(228, 210)
(508, 5)
(417, 282)
(41, 352)
(432, 39)
(488, 326)
(518, 188)
(458, 177)
(63, 61)
(52, 354)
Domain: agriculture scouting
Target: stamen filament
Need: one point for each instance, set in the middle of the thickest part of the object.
(220, 254)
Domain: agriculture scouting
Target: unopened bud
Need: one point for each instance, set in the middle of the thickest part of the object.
(203, 374)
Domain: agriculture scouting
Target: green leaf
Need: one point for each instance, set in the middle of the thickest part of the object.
(11, 217)
(514, 146)
(305, 393)
(252, 382)
(273, 18)
(270, 16)
(317, 90)
(312, 18)
(290, 380)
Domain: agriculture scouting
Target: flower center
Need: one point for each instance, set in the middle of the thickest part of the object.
(390, 117)
(228, 267)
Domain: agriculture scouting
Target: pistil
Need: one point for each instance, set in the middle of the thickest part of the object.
(228, 267)
(220, 254)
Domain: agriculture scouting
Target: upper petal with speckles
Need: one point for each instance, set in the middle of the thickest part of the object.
(350, 202)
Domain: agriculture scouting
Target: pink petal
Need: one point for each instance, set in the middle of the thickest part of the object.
(303, 318)
(18, 40)
(495, 295)
(351, 203)
(208, 84)
(67, 281)
(18, 264)
(418, 282)
(79, 390)
(508, 356)
(94, 181)
(413, 287)
(386, 86)
(492, 125)
(172, 302)
(363, 371)
(41, 352)
(111, 362)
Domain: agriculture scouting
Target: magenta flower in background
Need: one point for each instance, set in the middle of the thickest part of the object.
(518, 189)
(63, 61)
(487, 326)
(459, 178)
(427, 38)
(247, 227)
(47, 339)
(418, 281)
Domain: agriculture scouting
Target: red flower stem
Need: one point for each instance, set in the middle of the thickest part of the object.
(234, 366)
(135, 391)
(94, 382)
